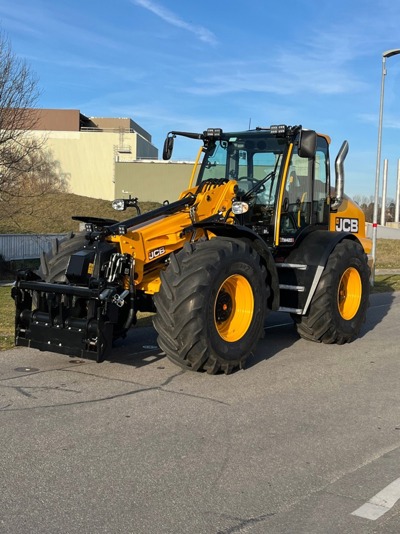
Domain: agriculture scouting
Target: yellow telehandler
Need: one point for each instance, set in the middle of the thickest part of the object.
(259, 228)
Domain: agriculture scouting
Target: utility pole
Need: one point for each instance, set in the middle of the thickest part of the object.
(384, 192)
(397, 210)
(385, 55)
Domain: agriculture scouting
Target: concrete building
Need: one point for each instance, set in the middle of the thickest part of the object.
(88, 148)
(108, 158)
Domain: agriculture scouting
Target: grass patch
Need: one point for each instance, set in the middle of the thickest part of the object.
(52, 213)
(7, 311)
(388, 254)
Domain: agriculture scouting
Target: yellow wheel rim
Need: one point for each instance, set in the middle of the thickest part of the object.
(234, 308)
(349, 293)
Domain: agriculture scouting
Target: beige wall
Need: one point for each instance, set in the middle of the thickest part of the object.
(152, 181)
(87, 158)
(92, 151)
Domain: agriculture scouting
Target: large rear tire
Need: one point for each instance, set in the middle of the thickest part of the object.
(53, 264)
(211, 305)
(339, 306)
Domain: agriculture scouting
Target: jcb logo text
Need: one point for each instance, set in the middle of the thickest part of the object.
(346, 225)
(153, 254)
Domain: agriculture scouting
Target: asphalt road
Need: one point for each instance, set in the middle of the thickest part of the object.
(297, 442)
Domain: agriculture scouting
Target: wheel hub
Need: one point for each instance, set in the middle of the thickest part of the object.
(349, 293)
(223, 306)
(234, 308)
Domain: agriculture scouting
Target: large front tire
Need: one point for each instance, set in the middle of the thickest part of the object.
(339, 306)
(211, 305)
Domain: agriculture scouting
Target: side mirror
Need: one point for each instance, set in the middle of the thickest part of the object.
(168, 147)
(307, 144)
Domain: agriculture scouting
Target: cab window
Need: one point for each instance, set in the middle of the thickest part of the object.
(304, 200)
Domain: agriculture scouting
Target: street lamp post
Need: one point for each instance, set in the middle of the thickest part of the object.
(388, 53)
(397, 209)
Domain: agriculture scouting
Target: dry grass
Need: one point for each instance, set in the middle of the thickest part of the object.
(56, 211)
(388, 254)
(7, 311)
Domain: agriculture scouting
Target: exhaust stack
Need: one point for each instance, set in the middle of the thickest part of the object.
(339, 173)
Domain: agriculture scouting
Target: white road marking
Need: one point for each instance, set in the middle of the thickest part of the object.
(380, 503)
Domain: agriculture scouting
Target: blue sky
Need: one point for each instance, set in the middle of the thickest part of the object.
(189, 65)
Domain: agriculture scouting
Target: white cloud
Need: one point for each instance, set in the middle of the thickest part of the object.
(287, 73)
(391, 122)
(388, 122)
(168, 16)
(323, 64)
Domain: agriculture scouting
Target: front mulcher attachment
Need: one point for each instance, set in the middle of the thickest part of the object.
(82, 316)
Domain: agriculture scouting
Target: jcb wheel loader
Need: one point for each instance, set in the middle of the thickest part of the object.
(260, 228)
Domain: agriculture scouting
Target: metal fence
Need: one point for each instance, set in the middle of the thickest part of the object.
(25, 246)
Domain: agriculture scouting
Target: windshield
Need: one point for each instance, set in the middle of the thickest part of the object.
(252, 158)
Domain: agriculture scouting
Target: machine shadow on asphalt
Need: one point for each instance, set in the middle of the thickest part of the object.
(277, 338)
(382, 302)
(140, 347)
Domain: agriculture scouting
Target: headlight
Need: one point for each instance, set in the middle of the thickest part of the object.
(118, 204)
(238, 208)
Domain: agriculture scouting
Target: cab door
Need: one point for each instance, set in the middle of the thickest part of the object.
(305, 195)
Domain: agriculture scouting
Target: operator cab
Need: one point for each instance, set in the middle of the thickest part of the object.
(282, 175)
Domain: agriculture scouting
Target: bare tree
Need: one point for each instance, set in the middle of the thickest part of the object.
(366, 203)
(25, 166)
(42, 177)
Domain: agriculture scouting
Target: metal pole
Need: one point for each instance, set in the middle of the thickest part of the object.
(377, 177)
(384, 192)
(388, 53)
(397, 210)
